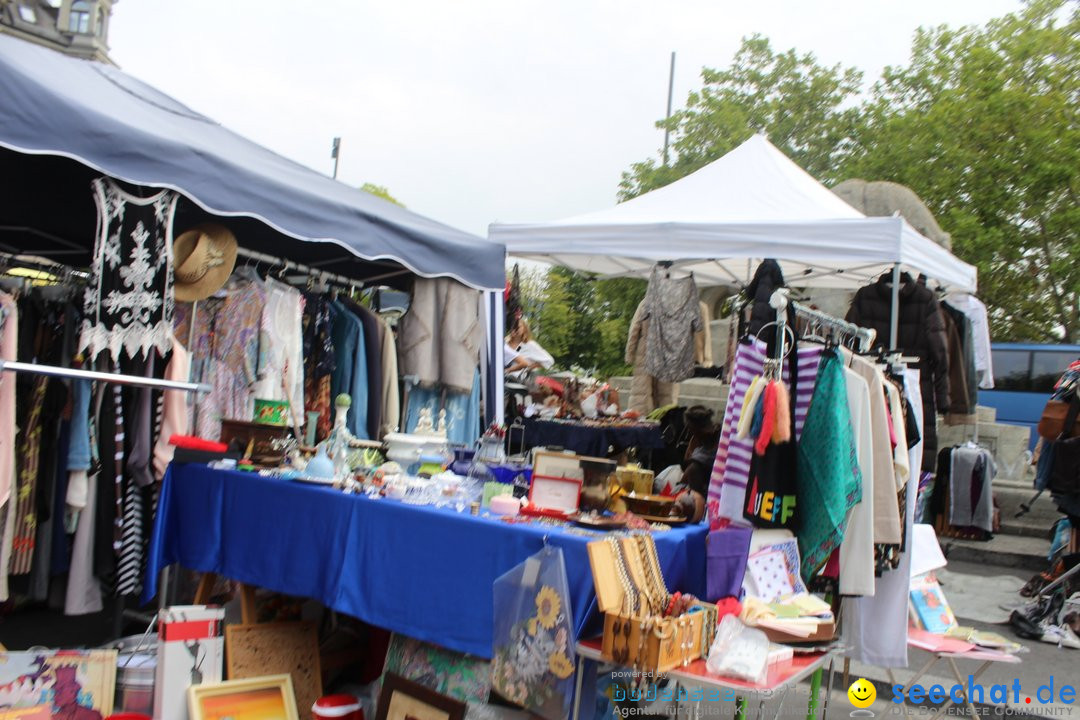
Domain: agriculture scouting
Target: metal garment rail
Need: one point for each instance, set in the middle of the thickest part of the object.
(780, 301)
(315, 272)
(118, 378)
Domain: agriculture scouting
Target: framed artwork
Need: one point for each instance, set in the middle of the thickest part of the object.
(403, 699)
(73, 683)
(35, 712)
(263, 698)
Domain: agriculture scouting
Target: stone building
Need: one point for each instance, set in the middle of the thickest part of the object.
(74, 27)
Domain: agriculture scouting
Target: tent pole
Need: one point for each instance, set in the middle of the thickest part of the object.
(894, 325)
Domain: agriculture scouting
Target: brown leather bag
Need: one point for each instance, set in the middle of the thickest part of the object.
(1052, 423)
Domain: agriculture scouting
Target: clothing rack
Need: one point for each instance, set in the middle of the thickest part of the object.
(63, 273)
(313, 272)
(66, 274)
(117, 378)
(781, 300)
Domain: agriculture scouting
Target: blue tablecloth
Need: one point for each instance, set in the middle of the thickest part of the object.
(420, 571)
(588, 439)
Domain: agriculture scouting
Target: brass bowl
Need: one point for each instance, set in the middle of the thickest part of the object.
(655, 505)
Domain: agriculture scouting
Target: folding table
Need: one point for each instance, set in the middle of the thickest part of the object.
(782, 675)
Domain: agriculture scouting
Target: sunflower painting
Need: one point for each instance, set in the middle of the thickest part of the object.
(548, 607)
(533, 660)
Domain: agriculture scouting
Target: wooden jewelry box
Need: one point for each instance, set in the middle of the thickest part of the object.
(646, 640)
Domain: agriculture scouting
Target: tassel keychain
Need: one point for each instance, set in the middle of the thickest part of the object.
(750, 402)
(782, 431)
(768, 418)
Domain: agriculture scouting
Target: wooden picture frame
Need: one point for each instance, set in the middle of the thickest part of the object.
(270, 695)
(402, 699)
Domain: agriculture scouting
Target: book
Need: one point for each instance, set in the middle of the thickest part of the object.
(930, 607)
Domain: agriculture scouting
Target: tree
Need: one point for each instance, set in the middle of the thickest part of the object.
(983, 125)
(803, 107)
(380, 191)
(583, 321)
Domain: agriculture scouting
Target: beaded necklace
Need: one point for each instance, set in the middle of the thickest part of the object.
(631, 597)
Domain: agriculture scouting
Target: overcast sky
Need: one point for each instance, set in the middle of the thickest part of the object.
(475, 111)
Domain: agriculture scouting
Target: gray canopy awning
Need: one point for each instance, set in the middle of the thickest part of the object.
(54, 105)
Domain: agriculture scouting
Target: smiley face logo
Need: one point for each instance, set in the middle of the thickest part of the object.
(862, 693)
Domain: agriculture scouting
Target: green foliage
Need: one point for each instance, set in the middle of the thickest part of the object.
(798, 103)
(380, 191)
(583, 321)
(983, 125)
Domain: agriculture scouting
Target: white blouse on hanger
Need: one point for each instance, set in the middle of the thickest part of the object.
(857, 549)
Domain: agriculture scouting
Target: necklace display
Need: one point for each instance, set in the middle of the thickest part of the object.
(708, 628)
(631, 595)
(654, 579)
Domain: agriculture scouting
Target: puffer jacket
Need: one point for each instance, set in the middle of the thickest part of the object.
(921, 332)
(768, 278)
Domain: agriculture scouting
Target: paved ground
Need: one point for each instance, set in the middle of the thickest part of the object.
(976, 592)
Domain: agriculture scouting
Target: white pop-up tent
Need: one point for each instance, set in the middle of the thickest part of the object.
(720, 221)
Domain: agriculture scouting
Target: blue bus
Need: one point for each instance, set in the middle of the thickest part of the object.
(1024, 375)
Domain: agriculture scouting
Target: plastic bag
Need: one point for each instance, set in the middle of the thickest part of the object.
(739, 651)
(533, 658)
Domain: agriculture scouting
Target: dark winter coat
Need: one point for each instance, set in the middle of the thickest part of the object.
(921, 332)
(767, 279)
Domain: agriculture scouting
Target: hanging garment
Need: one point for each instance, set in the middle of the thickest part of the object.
(975, 311)
(921, 332)
(731, 469)
(174, 411)
(109, 505)
(41, 399)
(319, 361)
(391, 389)
(373, 341)
(886, 510)
(9, 333)
(462, 411)
(646, 392)
(901, 468)
(350, 374)
(971, 501)
(703, 352)
(281, 349)
(963, 376)
(768, 278)
(83, 593)
(60, 551)
(673, 312)
(441, 335)
(875, 628)
(829, 478)
(137, 478)
(7, 539)
(887, 555)
(128, 306)
(49, 463)
(961, 407)
(225, 352)
(857, 547)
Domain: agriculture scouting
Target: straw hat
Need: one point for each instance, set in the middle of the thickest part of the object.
(204, 257)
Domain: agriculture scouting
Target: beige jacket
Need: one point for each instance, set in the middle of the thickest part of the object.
(442, 334)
